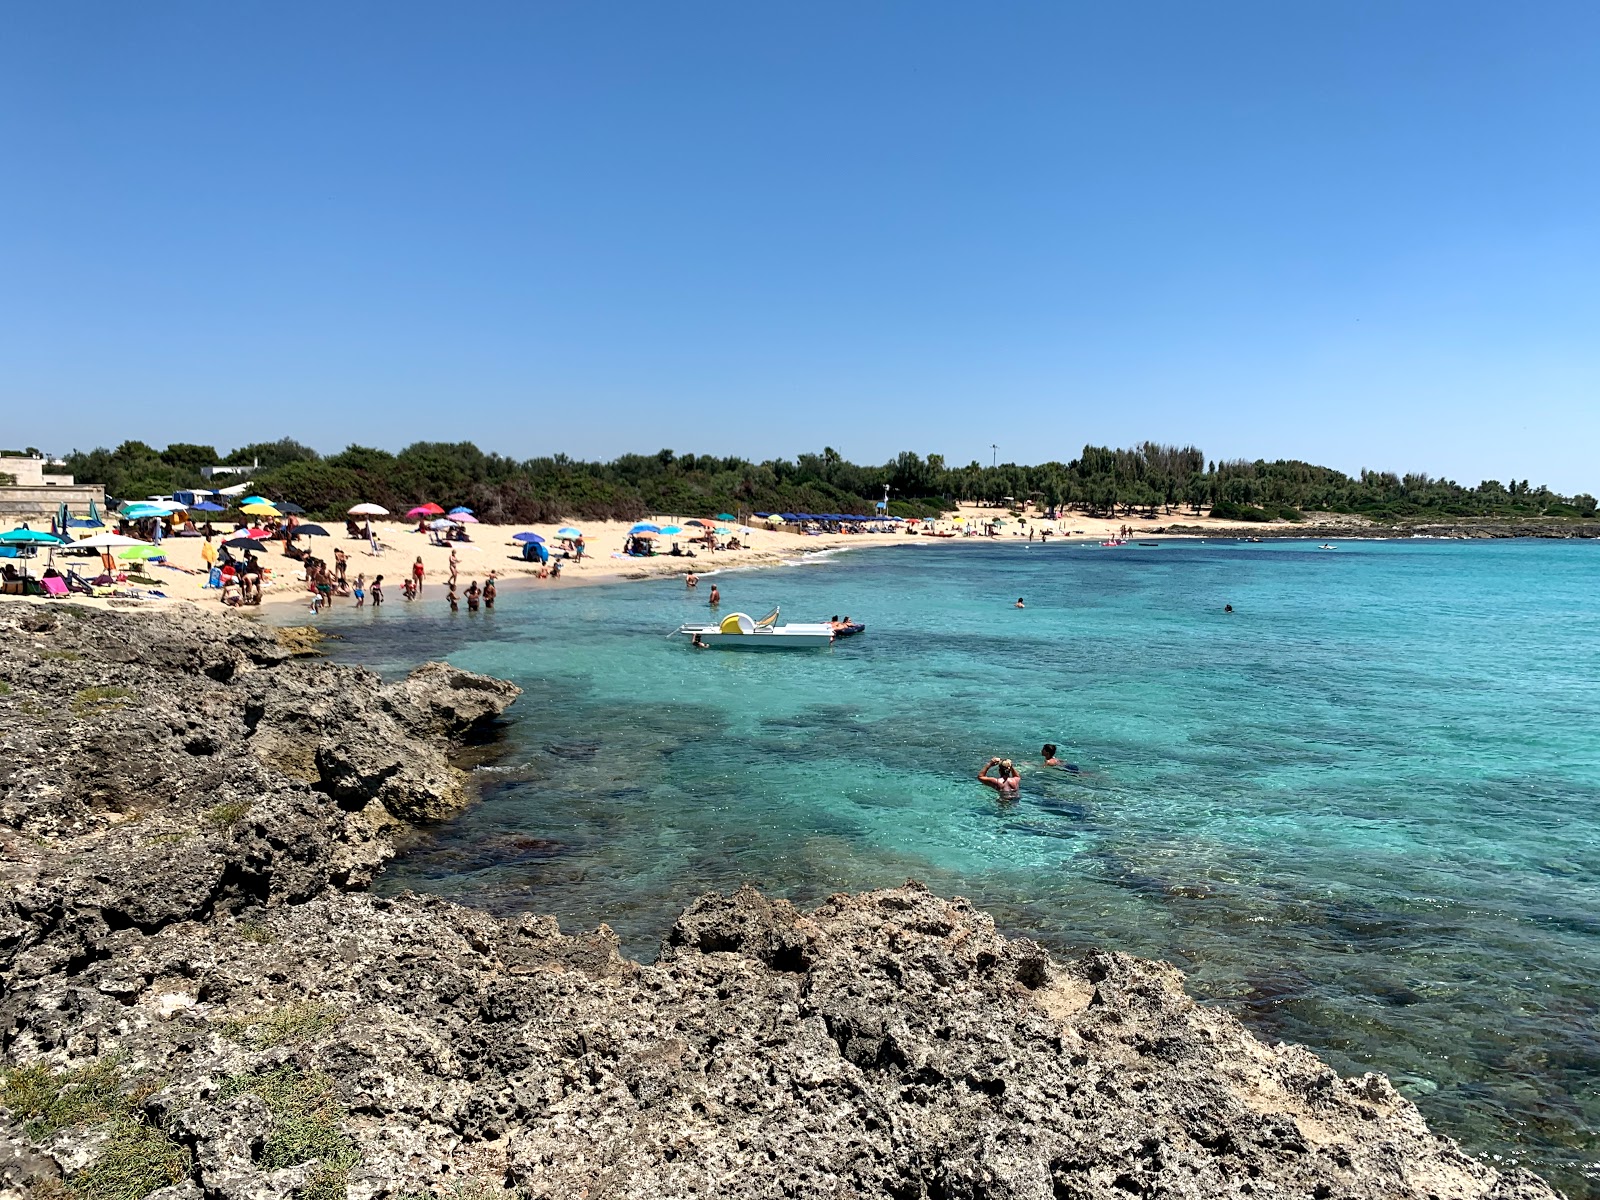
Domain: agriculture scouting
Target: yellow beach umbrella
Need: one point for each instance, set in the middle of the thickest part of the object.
(263, 509)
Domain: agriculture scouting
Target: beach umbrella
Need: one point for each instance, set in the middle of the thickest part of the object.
(108, 541)
(723, 530)
(645, 527)
(701, 524)
(669, 530)
(463, 518)
(31, 537)
(139, 512)
(456, 512)
(726, 517)
(262, 508)
(293, 510)
(310, 531)
(255, 534)
(647, 535)
(441, 523)
(422, 510)
(94, 513)
(567, 531)
(140, 552)
(206, 506)
(526, 537)
(255, 500)
(242, 543)
(369, 510)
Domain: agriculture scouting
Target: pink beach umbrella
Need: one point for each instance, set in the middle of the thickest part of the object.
(464, 518)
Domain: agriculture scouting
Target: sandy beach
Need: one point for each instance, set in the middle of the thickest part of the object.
(182, 579)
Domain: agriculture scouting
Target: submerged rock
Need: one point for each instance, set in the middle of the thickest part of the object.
(189, 967)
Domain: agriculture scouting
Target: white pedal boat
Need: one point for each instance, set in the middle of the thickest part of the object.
(737, 631)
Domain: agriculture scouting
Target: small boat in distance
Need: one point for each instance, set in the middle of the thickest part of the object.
(738, 631)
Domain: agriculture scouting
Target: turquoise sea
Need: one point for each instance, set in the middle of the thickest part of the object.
(1360, 811)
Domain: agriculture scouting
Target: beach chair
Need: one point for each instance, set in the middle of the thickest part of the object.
(55, 587)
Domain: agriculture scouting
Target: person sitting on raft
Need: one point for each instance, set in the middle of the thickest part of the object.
(1006, 780)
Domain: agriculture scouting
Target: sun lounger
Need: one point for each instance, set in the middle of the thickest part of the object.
(54, 586)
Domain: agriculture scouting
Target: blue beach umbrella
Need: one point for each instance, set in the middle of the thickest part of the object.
(567, 531)
(253, 500)
(669, 530)
(31, 537)
(206, 506)
(645, 527)
(457, 511)
(526, 537)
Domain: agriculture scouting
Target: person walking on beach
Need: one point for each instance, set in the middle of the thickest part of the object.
(416, 573)
(454, 564)
(716, 596)
(377, 591)
(488, 592)
(1006, 781)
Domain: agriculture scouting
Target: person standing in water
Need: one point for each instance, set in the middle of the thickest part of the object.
(1006, 781)
(488, 593)
(377, 591)
(417, 573)
(1019, 603)
(716, 596)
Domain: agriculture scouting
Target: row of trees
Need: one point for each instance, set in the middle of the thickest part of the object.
(1152, 478)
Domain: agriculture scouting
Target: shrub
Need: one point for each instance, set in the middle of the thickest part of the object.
(228, 813)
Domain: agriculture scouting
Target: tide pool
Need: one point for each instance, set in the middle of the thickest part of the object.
(1359, 811)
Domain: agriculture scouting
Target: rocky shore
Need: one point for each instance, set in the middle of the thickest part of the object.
(200, 999)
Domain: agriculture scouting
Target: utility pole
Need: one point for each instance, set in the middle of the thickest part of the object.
(994, 458)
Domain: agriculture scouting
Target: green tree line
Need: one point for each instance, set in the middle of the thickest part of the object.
(1150, 479)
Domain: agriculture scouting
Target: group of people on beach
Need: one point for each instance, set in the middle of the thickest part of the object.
(476, 596)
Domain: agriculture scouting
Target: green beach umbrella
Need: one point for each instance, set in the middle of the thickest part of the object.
(726, 517)
(133, 552)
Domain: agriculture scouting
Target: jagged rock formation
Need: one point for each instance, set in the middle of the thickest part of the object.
(199, 1000)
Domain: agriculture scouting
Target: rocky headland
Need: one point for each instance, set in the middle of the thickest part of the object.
(201, 1000)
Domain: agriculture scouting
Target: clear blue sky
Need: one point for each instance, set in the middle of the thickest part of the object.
(1366, 234)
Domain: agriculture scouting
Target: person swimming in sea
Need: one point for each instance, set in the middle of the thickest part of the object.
(1050, 759)
(1006, 781)
(1019, 603)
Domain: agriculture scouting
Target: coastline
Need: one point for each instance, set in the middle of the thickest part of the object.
(492, 550)
(190, 919)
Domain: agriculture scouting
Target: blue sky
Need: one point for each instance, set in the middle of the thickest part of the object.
(1362, 234)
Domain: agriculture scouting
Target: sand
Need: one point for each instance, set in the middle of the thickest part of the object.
(492, 550)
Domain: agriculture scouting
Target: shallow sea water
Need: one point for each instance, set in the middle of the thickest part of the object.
(1360, 811)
